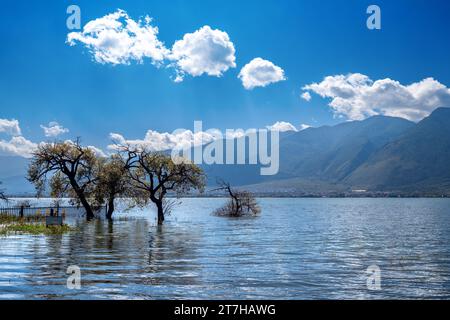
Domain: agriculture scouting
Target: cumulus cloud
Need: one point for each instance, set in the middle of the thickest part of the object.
(17, 146)
(260, 73)
(304, 126)
(156, 141)
(282, 126)
(357, 97)
(306, 96)
(97, 151)
(205, 51)
(10, 127)
(20, 146)
(183, 139)
(54, 129)
(118, 39)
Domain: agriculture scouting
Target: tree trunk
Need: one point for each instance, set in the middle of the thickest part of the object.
(82, 198)
(159, 205)
(110, 208)
(89, 213)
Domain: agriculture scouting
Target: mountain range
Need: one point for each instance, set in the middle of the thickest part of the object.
(378, 155)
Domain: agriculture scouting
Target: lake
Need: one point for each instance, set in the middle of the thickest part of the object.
(296, 249)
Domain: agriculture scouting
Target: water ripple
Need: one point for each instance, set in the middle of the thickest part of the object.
(297, 249)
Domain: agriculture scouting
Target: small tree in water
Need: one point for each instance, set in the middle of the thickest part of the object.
(240, 203)
(77, 172)
(72, 169)
(112, 183)
(152, 175)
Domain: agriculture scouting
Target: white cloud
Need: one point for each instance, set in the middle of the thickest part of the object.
(183, 139)
(260, 73)
(206, 51)
(306, 96)
(97, 151)
(304, 126)
(54, 129)
(155, 141)
(118, 39)
(282, 126)
(10, 127)
(17, 146)
(20, 146)
(356, 96)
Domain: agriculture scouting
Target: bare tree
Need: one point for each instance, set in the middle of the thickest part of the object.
(241, 203)
(153, 175)
(73, 171)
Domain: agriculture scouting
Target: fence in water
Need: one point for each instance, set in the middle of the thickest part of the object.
(63, 211)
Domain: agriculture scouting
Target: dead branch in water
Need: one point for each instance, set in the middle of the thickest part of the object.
(241, 203)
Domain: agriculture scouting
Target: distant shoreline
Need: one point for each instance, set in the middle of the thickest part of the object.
(282, 196)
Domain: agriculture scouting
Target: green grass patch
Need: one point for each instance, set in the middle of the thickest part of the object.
(10, 218)
(10, 224)
(35, 229)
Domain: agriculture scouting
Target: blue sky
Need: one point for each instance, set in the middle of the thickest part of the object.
(43, 79)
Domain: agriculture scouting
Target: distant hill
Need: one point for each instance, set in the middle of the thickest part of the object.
(333, 153)
(318, 159)
(379, 154)
(418, 160)
(12, 175)
(298, 187)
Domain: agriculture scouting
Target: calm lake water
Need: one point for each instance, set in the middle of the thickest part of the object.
(296, 249)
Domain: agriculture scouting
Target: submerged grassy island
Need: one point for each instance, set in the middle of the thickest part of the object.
(35, 225)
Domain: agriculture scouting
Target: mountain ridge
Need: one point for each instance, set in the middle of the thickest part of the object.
(378, 154)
